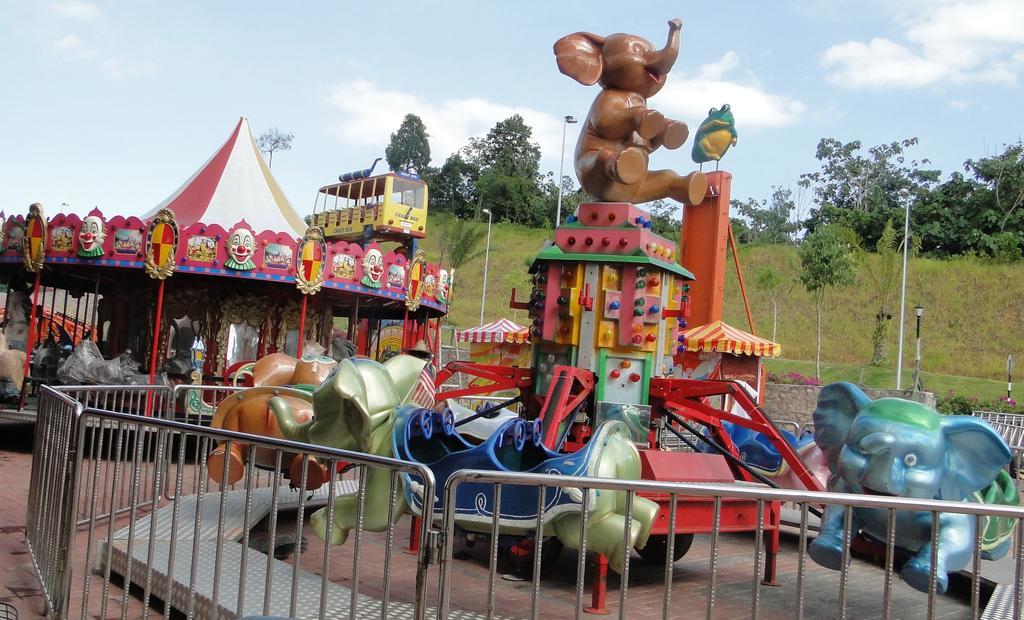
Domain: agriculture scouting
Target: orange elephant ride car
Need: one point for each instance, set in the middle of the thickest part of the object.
(248, 411)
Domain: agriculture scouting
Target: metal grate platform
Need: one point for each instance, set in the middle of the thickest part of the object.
(185, 590)
(1001, 604)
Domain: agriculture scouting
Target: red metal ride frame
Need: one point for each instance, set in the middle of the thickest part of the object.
(561, 403)
(501, 377)
(686, 398)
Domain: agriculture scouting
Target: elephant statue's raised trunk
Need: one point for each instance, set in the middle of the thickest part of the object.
(661, 61)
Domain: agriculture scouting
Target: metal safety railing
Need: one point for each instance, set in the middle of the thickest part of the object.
(125, 521)
(211, 550)
(730, 587)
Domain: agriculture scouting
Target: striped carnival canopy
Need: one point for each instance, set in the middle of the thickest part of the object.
(234, 184)
(721, 337)
(502, 330)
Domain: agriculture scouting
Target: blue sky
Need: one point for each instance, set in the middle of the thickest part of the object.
(115, 104)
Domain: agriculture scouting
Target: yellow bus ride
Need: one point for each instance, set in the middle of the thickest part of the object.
(390, 206)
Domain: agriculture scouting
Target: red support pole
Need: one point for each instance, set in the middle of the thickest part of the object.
(155, 351)
(31, 322)
(599, 588)
(743, 286)
(437, 343)
(302, 326)
(414, 536)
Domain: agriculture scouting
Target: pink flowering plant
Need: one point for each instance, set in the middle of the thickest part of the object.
(958, 404)
(792, 378)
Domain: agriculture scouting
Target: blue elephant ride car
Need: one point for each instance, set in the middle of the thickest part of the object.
(899, 448)
(429, 437)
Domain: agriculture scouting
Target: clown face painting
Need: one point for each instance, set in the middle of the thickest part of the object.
(396, 276)
(373, 268)
(91, 236)
(241, 245)
(429, 285)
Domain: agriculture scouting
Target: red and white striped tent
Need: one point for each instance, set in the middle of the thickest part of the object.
(502, 330)
(721, 337)
(233, 185)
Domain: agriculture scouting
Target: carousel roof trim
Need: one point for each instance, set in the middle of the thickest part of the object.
(234, 183)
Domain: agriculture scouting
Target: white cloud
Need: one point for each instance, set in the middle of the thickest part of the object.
(117, 69)
(952, 41)
(959, 104)
(75, 9)
(370, 113)
(72, 47)
(690, 97)
(880, 63)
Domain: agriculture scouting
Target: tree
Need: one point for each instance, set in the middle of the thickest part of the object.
(273, 140)
(1004, 175)
(863, 192)
(883, 273)
(409, 148)
(666, 219)
(509, 183)
(572, 196)
(508, 148)
(826, 262)
(977, 214)
(769, 221)
(771, 282)
(453, 187)
(460, 243)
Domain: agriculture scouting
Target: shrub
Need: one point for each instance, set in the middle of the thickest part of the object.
(958, 404)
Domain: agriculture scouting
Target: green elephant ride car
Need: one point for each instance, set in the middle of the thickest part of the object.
(361, 406)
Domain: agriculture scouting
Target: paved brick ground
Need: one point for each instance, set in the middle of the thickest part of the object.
(18, 583)
(733, 593)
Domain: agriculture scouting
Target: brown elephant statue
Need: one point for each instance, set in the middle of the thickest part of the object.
(621, 131)
(248, 411)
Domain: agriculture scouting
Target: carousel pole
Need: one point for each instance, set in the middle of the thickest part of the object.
(78, 320)
(302, 326)
(64, 318)
(405, 331)
(95, 314)
(42, 316)
(437, 343)
(154, 352)
(31, 323)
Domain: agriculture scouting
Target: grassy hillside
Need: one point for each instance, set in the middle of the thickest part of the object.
(973, 314)
(512, 250)
(974, 310)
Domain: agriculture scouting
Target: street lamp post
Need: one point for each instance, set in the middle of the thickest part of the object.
(918, 312)
(905, 194)
(487, 256)
(569, 120)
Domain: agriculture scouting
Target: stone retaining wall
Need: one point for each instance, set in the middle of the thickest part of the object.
(796, 403)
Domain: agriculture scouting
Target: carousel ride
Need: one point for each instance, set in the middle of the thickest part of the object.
(630, 359)
(220, 274)
(604, 393)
